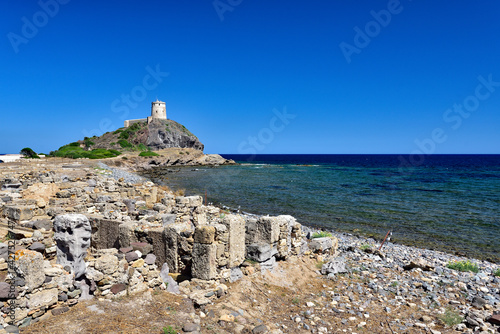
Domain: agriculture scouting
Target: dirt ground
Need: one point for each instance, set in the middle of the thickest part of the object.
(274, 299)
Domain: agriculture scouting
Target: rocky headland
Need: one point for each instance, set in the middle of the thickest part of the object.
(88, 247)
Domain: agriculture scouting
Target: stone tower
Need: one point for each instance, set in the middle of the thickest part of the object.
(158, 110)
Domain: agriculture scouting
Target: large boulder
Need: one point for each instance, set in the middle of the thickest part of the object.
(260, 252)
(167, 133)
(72, 236)
(28, 265)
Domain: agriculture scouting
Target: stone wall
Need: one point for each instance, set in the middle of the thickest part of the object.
(135, 230)
(129, 122)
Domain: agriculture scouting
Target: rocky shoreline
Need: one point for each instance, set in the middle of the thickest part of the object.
(229, 273)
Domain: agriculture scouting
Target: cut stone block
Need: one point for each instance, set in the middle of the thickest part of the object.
(44, 298)
(260, 252)
(28, 265)
(204, 234)
(236, 227)
(265, 229)
(142, 247)
(168, 219)
(321, 244)
(204, 261)
(105, 233)
(20, 212)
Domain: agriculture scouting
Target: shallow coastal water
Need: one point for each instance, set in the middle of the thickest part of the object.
(447, 202)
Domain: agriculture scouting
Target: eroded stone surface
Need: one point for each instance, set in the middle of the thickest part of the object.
(72, 236)
(28, 265)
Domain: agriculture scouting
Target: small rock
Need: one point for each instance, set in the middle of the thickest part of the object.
(62, 297)
(227, 318)
(190, 327)
(37, 246)
(260, 329)
(419, 263)
(60, 310)
(12, 329)
(139, 263)
(150, 259)
(494, 319)
(117, 288)
(478, 302)
(131, 256)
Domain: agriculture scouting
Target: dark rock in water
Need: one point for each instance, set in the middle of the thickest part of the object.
(167, 133)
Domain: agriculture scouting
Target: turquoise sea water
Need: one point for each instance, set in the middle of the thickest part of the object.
(444, 202)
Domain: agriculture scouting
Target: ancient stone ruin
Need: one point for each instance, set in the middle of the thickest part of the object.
(80, 234)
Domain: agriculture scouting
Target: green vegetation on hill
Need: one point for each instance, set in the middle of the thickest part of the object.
(148, 154)
(139, 137)
(76, 152)
(126, 133)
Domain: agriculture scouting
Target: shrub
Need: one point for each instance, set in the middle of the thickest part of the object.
(115, 152)
(451, 318)
(124, 135)
(148, 154)
(118, 131)
(463, 266)
(497, 273)
(88, 143)
(321, 234)
(75, 144)
(142, 147)
(364, 247)
(74, 152)
(169, 330)
(124, 144)
(29, 153)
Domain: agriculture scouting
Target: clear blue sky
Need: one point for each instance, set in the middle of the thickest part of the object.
(230, 63)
